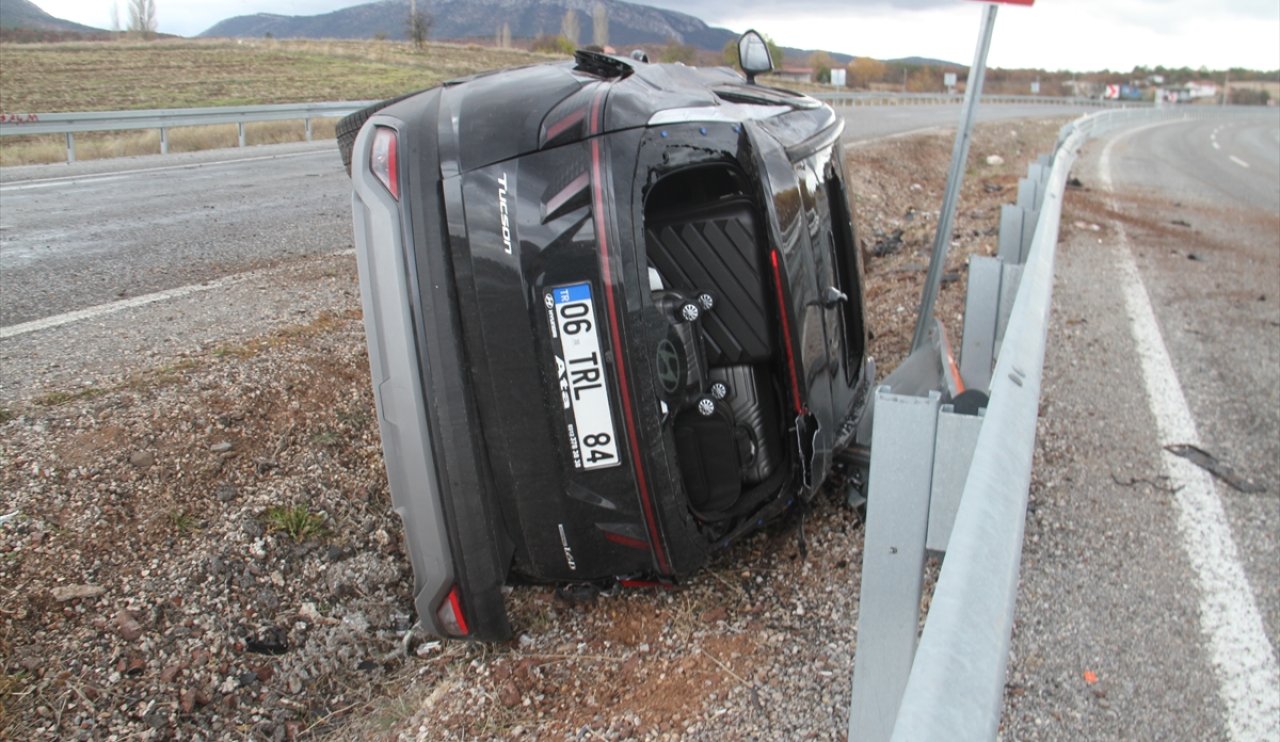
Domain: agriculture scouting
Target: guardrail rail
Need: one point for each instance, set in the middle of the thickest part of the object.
(70, 124)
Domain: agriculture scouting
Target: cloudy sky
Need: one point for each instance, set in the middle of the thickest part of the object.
(1054, 34)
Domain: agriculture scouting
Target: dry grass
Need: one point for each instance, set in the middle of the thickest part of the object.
(197, 73)
(95, 146)
(189, 73)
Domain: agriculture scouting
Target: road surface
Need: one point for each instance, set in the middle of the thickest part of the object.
(1150, 599)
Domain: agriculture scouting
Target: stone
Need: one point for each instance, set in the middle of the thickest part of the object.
(72, 592)
(127, 626)
(142, 459)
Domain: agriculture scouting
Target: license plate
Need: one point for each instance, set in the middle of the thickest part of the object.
(584, 388)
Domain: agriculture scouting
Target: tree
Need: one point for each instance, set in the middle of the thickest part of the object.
(115, 17)
(924, 79)
(419, 25)
(504, 35)
(599, 25)
(821, 63)
(674, 51)
(142, 17)
(864, 70)
(569, 27)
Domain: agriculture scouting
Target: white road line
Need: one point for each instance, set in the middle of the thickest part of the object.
(80, 315)
(1243, 659)
(45, 182)
(115, 306)
(1239, 161)
(1217, 146)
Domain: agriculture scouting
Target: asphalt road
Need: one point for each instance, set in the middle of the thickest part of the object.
(83, 235)
(1144, 612)
(91, 233)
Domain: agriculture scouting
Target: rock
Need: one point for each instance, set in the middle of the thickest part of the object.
(220, 447)
(508, 695)
(995, 160)
(916, 188)
(135, 666)
(715, 615)
(272, 640)
(127, 626)
(187, 701)
(142, 459)
(73, 592)
(169, 673)
(226, 492)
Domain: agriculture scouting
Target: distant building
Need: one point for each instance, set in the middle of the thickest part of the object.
(794, 74)
(1202, 90)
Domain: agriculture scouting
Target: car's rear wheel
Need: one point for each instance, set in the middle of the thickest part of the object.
(349, 126)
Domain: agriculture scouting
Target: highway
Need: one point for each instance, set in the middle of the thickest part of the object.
(1144, 576)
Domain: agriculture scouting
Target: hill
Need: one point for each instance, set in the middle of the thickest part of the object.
(630, 25)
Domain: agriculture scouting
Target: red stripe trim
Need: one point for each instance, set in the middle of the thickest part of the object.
(563, 125)
(455, 604)
(606, 276)
(786, 335)
(627, 541)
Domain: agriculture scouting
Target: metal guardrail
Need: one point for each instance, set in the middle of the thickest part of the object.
(70, 124)
(931, 462)
(912, 99)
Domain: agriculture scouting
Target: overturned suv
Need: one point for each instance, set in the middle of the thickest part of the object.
(615, 321)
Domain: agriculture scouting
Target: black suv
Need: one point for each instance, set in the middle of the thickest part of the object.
(615, 321)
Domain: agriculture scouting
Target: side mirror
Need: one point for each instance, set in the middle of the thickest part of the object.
(753, 55)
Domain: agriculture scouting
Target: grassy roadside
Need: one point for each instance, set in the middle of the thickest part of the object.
(191, 73)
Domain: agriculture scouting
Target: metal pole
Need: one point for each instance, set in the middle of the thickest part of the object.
(942, 240)
(71, 148)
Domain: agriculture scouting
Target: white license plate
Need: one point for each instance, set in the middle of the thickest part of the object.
(584, 386)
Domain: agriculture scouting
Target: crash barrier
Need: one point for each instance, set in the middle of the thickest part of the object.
(950, 475)
(915, 99)
(70, 124)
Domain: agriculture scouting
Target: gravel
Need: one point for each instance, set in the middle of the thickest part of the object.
(205, 547)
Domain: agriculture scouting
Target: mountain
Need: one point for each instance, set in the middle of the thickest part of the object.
(924, 61)
(630, 25)
(21, 14)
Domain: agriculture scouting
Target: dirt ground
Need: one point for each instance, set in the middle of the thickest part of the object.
(206, 550)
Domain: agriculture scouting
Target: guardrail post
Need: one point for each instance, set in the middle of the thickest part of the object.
(307, 123)
(164, 141)
(981, 309)
(902, 437)
(957, 437)
(71, 148)
(240, 130)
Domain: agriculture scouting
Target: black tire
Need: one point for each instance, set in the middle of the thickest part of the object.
(349, 126)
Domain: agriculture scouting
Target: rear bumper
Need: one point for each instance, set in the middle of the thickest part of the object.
(426, 411)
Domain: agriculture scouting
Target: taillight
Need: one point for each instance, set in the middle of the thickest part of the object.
(450, 614)
(383, 164)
